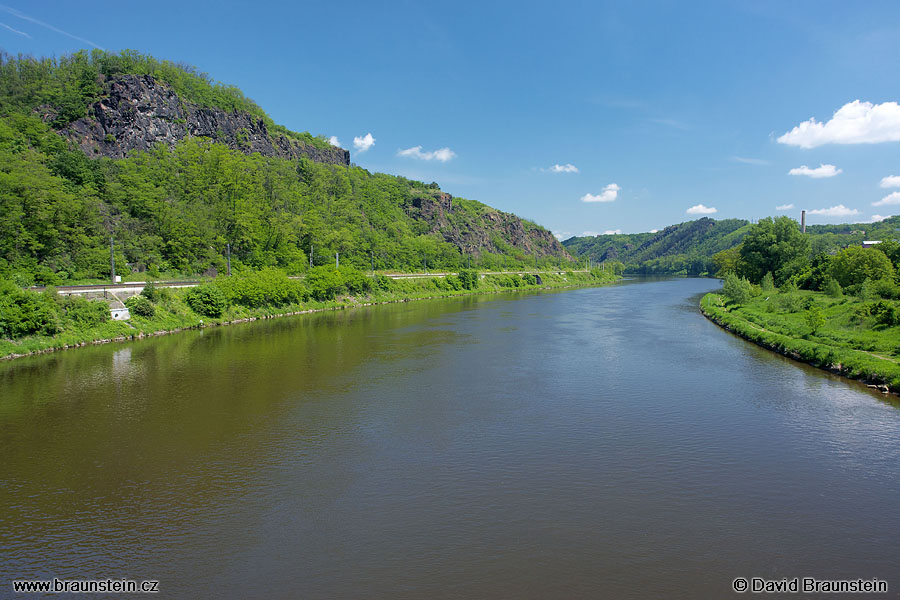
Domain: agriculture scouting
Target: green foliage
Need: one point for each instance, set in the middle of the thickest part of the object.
(815, 319)
(853, 265)
(737, 289)
(768, 283)
(267, 287)
(139, 305)
(833, 288)
(773, 246)
(885, 313)
(325, 283)
(24, 312)
(468, 279)
(207, 299)
(151, 292)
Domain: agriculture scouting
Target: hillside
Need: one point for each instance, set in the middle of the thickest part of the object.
(685, 248)
(688, 248)
(175, 167)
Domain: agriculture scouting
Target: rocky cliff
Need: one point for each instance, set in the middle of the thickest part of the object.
(138, 111)
(475, 228)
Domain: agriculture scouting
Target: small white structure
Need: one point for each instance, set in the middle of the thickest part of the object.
(870, 243)
(119, 314)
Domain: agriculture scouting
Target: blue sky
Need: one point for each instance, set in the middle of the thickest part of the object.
(662, 107)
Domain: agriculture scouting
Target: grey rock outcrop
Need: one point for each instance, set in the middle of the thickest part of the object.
(138, 112)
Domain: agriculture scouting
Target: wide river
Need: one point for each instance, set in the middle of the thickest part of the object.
(605, 442)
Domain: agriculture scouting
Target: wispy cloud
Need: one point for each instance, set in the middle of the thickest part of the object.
(607, 194)
(654, 231)
(440, 155)
(784, 207)
(888, 200)
(363, 143)
(835, 211)
(561, 235)
(817, 173)
(589, 234)
(854, 123)
(699, 209)
(673, 123)
(566, 168)
(750, 161)
(334, 141)
(891, 181)
(14, 30)
(876, 218)
(30, 19)
(612, 232)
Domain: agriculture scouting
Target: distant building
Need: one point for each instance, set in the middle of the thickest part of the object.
(870, 243)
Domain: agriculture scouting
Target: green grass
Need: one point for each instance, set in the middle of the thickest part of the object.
(850, 342)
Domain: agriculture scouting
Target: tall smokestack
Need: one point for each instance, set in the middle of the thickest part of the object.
(803, 221)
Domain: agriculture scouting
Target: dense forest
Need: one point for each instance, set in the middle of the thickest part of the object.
(689, 248)
(175, 210)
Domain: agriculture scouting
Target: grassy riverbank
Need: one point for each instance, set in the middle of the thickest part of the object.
(33, 322)
(845, 335)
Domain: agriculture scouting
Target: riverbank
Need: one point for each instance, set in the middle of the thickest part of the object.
(847, 340)
(172, 310)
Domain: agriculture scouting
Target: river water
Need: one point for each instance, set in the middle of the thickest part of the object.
(603, 442)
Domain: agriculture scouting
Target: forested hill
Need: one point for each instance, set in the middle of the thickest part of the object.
(685, 248)
(688, 248)
(173, 198)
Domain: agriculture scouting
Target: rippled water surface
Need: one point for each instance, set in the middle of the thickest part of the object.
(604, 442)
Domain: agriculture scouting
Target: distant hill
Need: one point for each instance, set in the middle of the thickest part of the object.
(176, 167)
(687, 248)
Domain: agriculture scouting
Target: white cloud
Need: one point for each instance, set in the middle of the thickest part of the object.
(835, 211)
(876, 218)
(891, 181)
(561, 235)
(854, 123)
(608, 194)
(441, 154)
(589, 234)
(566, 168)
(654, 231)
(701, 210)
(334, 141)
(612, 232)
(784, 207)
(363, 143)
(817, 173)
(893, 198)
(750, 161)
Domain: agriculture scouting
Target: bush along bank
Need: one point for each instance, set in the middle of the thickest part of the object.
(33, 322)
(857, 338)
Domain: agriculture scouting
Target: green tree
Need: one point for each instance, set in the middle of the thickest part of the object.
(815, 319)
(737, 289)
(773, 246)
(853, 265)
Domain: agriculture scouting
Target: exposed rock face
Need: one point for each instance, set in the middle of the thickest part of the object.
(474, 235)
(140, 111)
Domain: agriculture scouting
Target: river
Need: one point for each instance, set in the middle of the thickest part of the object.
(606, 442)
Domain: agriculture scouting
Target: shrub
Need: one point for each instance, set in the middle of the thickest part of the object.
(86, 313)
(25, 313)
(150, 292)
(207, 299)
(468, 279)
(268, 287)
(768, 283)
(529, 279)
(139, 305)
(815, 319)
(736, 289)
(833, 288)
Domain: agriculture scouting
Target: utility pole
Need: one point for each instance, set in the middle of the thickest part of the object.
(310, 256)
(112, 260)
(228, 257)
(337, 260)
(372, 258)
